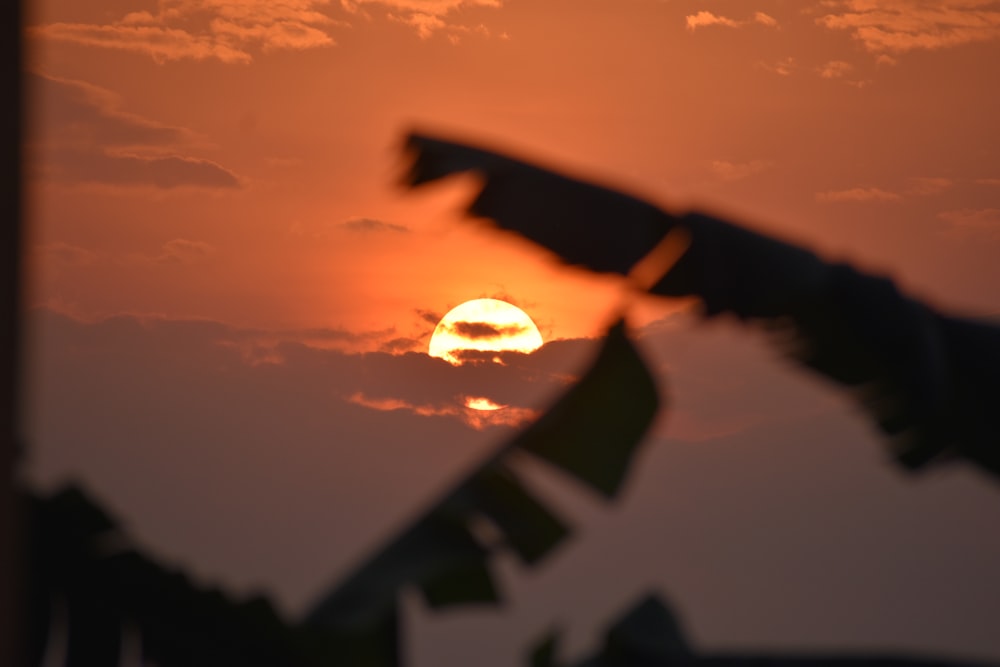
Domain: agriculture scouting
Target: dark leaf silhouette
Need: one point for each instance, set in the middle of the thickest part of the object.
(928, 380)
(545, 652)
(80, 557)
(649, 635)
(431, 554)
(591, 433)
(530, 528)
(567, 216)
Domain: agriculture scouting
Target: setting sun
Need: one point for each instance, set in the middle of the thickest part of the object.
(483, 325)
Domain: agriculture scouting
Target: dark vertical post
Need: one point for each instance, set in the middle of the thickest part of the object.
(11, 541)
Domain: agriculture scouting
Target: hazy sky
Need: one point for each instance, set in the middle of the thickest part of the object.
(233, 297)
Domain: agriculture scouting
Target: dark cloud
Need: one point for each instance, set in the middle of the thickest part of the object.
(184, 251)
(399, 345)
(327, 334)
(429, 316)
(372, 225)
(779, 518)
(484, 330)
(409, 376)
(66, 254)
(89, 139)
(182, 433)
(475, 356)
(163, 172)
(76, 111)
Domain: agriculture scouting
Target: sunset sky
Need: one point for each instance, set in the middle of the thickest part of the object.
(232, 295)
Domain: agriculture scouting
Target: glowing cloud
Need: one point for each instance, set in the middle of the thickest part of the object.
(783, 67)
(224, 30)
(432, 7)
(704, 18)
(899, 26)
(426, 16)
(835, 69)
(474, 411)
(764, 19)
(857, 194)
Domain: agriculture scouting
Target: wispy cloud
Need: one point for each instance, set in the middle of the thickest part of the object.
(429, 316)
(705, 19)
(899, 26)
(970, 220)
(783, 67)
(224, 30)
(424, 24)
(857, 195)
(477, 418)
(372, 225)
(67, 255)
(839, 69)
(988, 181)
(929, 185)
(484, 330)
(435, 7)
(737, 171)
(60, 255)
(427, 17)
(835, 69)
(74, 111)
(920, 186)
(184, 251)
(124, 169)
(89, 140)
(765, 19)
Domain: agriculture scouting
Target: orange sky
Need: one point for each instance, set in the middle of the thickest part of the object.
(234, 163)
(870, 133)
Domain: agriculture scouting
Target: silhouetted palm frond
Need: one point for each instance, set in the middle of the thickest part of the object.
(591, 433)
(931, 382)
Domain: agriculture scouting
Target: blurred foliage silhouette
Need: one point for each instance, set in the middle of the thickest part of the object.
(82, 561)
(928, 380)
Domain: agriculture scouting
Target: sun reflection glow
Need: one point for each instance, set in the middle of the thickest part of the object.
(482, 403)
